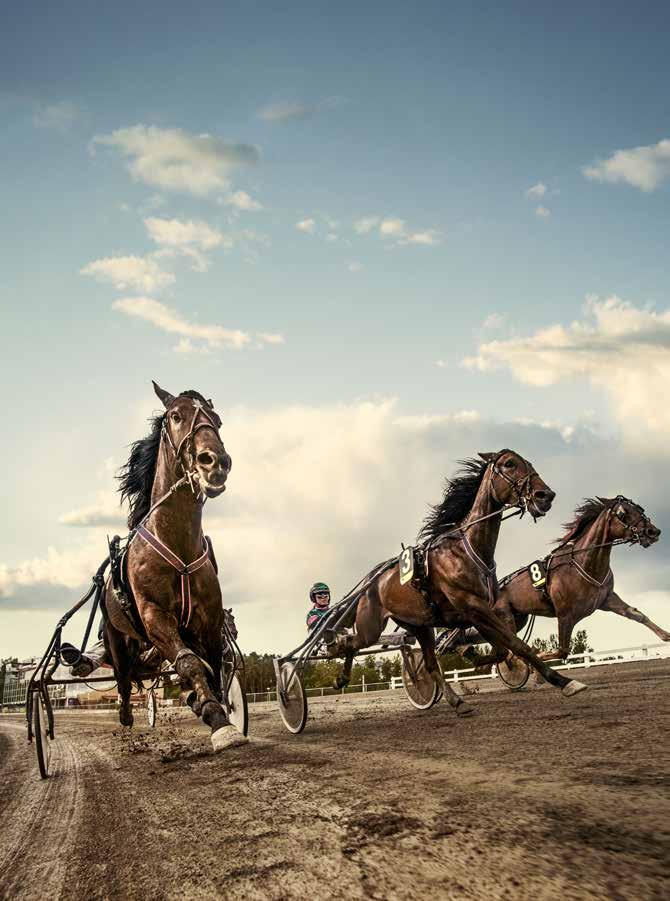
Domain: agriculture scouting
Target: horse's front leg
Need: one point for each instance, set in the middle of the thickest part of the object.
(162, 631)
(495, 631)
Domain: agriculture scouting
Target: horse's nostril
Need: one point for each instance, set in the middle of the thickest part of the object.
(204, 458)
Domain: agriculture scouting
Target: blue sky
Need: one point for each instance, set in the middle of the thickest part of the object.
(393, 203)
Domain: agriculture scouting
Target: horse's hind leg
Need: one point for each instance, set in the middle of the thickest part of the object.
(426, 638)
(345, 676)
(122, 661)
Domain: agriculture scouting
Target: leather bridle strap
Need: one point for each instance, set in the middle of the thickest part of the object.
(184, 569)
(210, 423)
(520, 486)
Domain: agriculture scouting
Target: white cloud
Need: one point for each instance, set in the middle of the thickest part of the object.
(124, 273)
(175, 160)
(537, 191)
(286, 112)
(178, 234)
(642, 167)
(294, 111)
(307, 226)
(56, 116)
(392, 228)
(365, 225)
(212, 336)
(243, 202)
(355, 266)
(106, 511)
(542, 212)
(270, 338)
(185, 346)
(441, 364)
(429, 238)
(621, 349)
(494, 321)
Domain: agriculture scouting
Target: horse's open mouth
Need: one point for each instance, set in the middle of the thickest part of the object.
(213, 490)
(536, 510)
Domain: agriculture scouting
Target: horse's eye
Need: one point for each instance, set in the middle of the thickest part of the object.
(175, 417)
(510, 464)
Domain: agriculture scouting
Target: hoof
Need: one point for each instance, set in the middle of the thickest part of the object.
(573, 688)
(465, 709)
(227, 737)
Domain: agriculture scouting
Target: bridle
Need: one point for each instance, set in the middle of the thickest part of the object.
(633, 528)
(521, 486)
(187, 442)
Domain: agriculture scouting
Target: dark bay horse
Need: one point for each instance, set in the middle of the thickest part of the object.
(175, 605)
(578, 574)
(458, 586)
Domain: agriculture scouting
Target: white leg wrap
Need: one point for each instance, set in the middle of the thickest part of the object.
(573, 688)
(227, 737)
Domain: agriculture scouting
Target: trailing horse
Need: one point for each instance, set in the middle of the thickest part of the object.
(456, 585)
(576, 579)
(168, 597)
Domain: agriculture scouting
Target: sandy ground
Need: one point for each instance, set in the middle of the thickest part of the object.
(537, 797)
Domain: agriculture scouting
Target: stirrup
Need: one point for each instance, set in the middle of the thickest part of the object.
(84, 667)
(69, 654)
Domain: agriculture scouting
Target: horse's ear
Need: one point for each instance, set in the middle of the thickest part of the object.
(487, 457)
(210, 403)
(165, 396)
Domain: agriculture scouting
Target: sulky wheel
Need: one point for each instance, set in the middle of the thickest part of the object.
(152, 707)
(238, 709)
(42, 733)
(514, 672)
(422, 690)
(292, 699)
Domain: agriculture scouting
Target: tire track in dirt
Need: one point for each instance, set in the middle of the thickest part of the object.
(43, 814)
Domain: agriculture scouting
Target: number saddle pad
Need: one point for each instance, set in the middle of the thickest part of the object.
(538, 574)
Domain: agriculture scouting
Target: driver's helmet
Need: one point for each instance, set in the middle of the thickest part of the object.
(319, 594)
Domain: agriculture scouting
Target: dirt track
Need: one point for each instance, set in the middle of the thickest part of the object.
(536, 797)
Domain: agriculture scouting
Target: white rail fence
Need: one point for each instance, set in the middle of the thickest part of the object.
(640, 653)
(15, 695)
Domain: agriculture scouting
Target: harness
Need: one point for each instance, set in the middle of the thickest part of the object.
(184, 569)
(190, 477)
(567, 549)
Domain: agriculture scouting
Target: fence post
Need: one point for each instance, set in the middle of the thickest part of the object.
(587, 661)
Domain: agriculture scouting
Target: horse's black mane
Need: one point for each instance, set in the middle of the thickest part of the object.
(459, 496)
(136, 477)
(585, 515)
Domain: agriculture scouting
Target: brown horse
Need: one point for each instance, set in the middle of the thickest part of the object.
(169, 607)
(577, 575)
(458, 584)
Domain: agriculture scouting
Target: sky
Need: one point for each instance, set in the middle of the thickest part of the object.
(381, 237)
